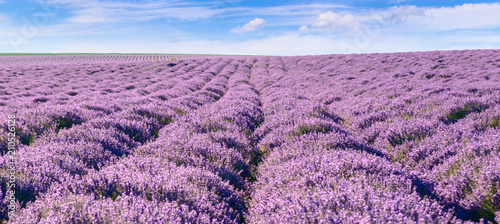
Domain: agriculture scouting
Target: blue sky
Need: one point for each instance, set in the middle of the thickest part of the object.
(246, 27)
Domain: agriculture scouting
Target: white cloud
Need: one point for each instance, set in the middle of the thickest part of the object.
(92, 15)
(286, 10)
(127, 12)
(253, 25)
(399, 14)
(332, 22)
(112, 11)
(304, 29)
(466, 16)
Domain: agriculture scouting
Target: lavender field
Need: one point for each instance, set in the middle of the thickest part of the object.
(369, 138)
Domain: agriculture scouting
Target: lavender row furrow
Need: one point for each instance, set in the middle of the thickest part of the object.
(37, 118)
(213, 137)
(95, 143)
(105, 186)
(83, 58)
(299, 179)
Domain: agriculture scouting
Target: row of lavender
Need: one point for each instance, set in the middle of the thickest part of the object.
(315, 170)
(70, 167)
(336, 138)
(48, 100)
(438, 118)
(428, 136)
(87, 58)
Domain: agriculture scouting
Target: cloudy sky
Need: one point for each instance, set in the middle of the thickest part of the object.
(246, 27)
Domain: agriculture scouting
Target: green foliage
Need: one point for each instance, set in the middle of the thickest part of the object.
(206, 128)
(488, 207)
(494, 122)
(460, 112)
(451, 171)
(179, 111)
(161, 119)
(228, 120)
(65, 123)
(406, 117)
(165, 120)
(26, 139)
(399, 139)
(305, 129)
(155, 132)
(401, 155)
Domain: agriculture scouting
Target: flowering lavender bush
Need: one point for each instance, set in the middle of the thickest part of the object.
(373, 138)
(301, 183)
(141, 189)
